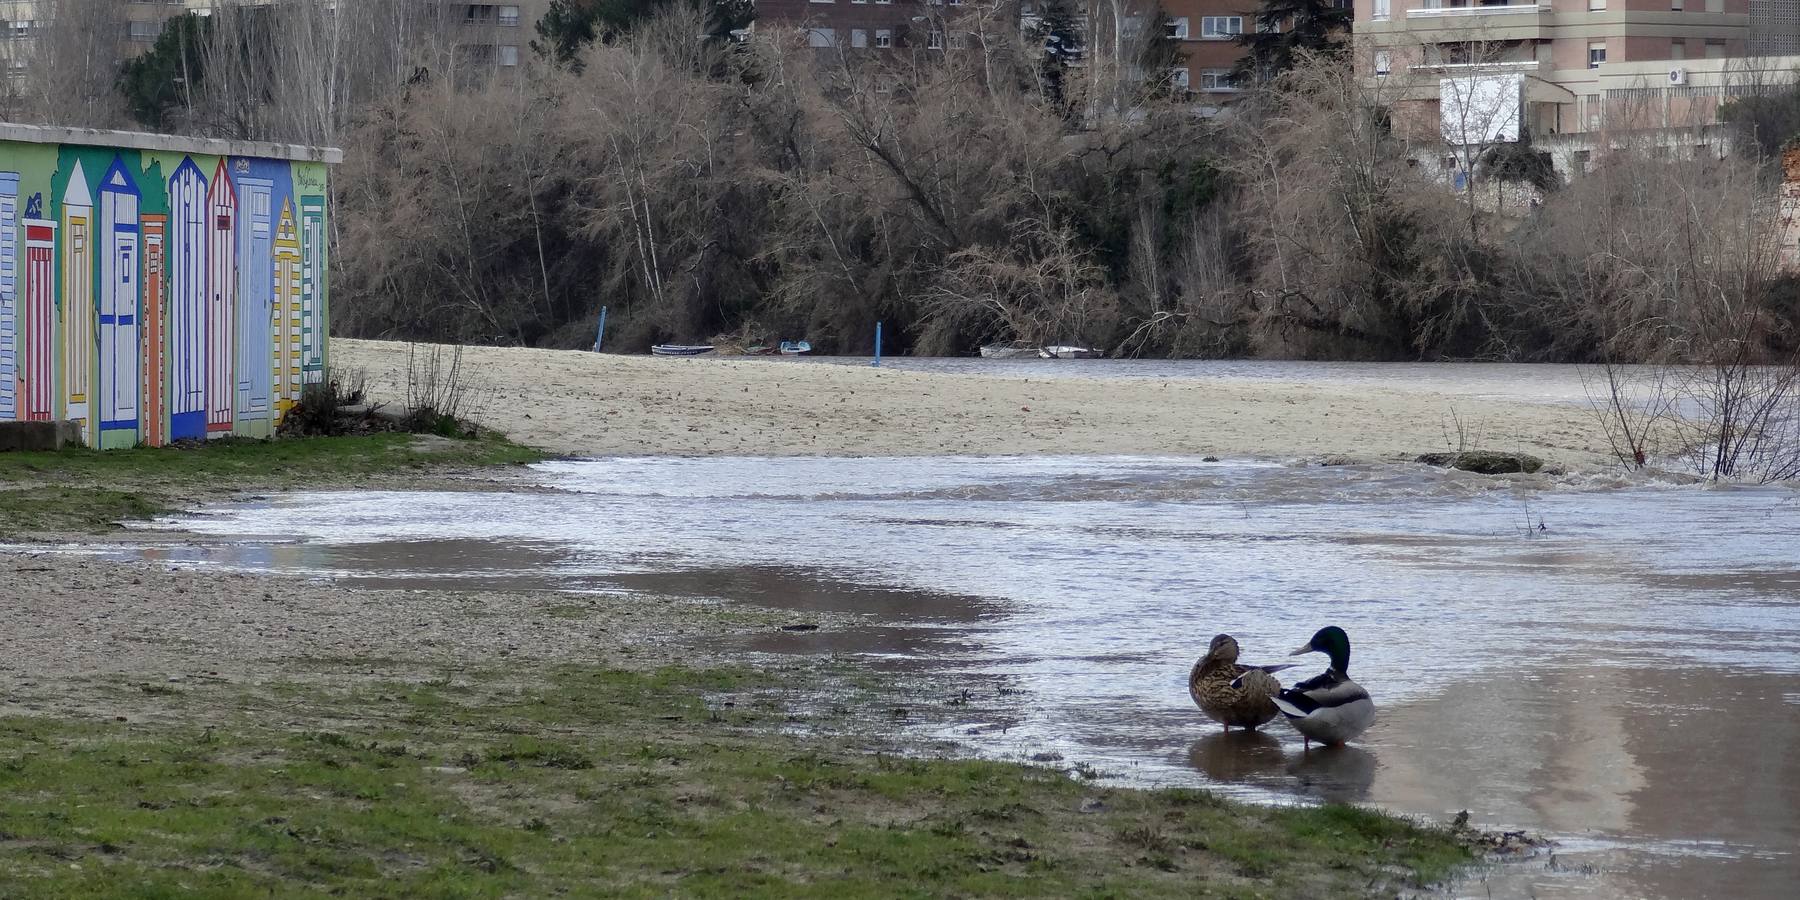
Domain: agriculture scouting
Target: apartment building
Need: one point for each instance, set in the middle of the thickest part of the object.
(1207, 33)
(493, 34)
(1564, 56)
(885, 25)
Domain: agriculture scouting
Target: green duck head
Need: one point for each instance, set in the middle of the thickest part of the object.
(1333, 642)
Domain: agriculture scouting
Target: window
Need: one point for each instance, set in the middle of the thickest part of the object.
(821, 37)
(1178, 78)
(954, 2)
(144, 31)
(859, 1)
(1596, 4)
(1221, 27)
(1715, 49)
(1449, 163)
(509, 55)
(1383, 8)
(1178, 29)
(859, 37)
(1217, 80)
(478, 14)
(883, 37)
(1596, 54)
(1581, 161)
(884, 2)
(1678, 49)
(1271, 28)
(935, 40)
(509, 16)
(821, 1)
(1384, 63)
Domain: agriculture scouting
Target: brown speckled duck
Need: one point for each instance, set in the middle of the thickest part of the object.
(1233, 695)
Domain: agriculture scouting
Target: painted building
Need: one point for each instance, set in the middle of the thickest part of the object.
(150, 302)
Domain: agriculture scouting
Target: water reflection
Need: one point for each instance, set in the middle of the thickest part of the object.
(1260, 760)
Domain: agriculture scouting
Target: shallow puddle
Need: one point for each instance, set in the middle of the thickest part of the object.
(1618, 666)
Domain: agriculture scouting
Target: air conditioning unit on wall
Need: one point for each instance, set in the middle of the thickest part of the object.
(1678, 76)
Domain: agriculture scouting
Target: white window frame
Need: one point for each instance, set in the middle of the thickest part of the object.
(1596, 5)
(1220, 28)
(1217, 80)
(1384, 63)
(934, 40)
(505, 21)
(509, 55)
(821, 38)
(859, 38)
(1678, 48)
(884, 37)
(1595, 62)
(1382, 10)
(1178, 29)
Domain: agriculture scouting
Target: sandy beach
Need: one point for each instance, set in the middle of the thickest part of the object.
(592, 404)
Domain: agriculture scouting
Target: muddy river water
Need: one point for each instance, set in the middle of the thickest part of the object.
(1615, 665)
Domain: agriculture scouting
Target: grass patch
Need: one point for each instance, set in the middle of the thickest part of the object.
(89, 490)
(602, 782)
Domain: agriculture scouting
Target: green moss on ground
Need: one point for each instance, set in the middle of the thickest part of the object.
(593, 781)
(89, 490)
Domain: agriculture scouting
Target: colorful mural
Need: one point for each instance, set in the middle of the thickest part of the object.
(157, 295)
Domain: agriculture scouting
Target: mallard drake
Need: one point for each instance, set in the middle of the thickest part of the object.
(1230, 694)
(1330, 708)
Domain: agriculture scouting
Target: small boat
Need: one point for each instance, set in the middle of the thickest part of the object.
(1009, 350)
(681, 349)
(795, 348)
(1065, 352)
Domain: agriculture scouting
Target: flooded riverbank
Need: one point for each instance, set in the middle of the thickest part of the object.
(1618, 666)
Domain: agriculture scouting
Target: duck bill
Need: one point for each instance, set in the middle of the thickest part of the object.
(1304, 648)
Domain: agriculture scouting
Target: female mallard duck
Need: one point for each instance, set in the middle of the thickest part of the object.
(1230, 694)
(1330, 708)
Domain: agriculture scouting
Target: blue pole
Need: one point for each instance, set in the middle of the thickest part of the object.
(877, 345)
(600, 335)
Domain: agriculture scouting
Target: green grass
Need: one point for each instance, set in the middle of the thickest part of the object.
(602, 782)
(89, 490)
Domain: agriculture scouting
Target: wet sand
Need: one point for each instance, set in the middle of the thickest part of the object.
(602, 404)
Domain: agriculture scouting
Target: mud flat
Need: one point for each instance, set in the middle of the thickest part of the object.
(603, 404)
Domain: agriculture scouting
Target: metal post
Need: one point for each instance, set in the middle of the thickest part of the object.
(877, 345)
(600, 333)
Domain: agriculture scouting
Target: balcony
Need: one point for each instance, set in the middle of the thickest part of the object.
(1465, 9)
(1527, 66)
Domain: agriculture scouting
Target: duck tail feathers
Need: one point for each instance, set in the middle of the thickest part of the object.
(1289, 709)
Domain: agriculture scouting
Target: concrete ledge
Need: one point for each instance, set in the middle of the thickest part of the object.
(39, 435)
(166, 143)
